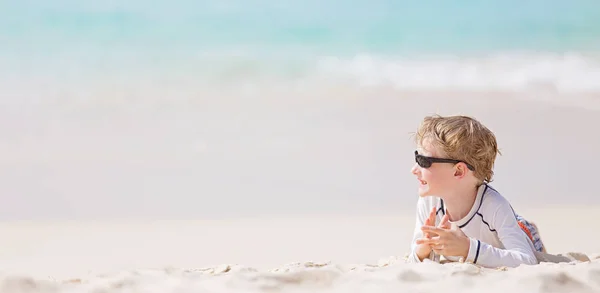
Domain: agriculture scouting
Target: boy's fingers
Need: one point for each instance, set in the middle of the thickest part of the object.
(444, 223)
(434, 230)
(430, 241)
(437, 247)
(430, 221)
(427, 223)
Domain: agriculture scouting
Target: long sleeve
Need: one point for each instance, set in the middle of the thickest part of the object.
(517, 249)
(423, 209)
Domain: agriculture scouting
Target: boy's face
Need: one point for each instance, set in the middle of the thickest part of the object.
(436, 179)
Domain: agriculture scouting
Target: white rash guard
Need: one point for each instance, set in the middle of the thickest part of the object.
(496, 238)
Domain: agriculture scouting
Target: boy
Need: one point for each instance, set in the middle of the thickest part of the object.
(459, 215)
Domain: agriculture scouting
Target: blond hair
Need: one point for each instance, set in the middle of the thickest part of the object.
(462, 138)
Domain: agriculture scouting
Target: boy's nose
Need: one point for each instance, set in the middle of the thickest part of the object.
(414, 169)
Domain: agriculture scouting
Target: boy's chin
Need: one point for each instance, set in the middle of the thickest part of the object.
(423, 191)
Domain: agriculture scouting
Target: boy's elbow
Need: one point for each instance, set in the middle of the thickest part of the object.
(531, 260)
(521, 259)
(528, 259)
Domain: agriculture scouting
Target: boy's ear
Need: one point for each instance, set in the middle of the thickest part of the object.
(460, 170)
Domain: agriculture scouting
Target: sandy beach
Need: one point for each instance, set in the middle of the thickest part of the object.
(232, 216)
(324, 254)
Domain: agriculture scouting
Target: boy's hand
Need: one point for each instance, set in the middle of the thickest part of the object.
(423, 250)
(449, 240)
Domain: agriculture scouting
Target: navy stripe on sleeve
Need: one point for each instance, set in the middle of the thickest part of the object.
(477, 253)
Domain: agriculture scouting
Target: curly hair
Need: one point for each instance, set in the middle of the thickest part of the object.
(462, 138)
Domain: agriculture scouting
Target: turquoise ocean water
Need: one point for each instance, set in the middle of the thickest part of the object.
(423, 44)
(223, 107)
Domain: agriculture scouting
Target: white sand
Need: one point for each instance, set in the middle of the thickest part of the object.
(327, 171)
(332, 254)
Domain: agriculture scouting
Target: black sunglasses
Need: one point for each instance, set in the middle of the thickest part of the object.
(425, 162)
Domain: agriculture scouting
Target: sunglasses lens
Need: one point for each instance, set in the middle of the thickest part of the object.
(423, 162)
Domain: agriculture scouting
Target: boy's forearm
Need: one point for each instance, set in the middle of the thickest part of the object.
(486, 255)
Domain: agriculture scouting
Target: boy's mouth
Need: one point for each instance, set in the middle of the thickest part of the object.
(422, 182)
